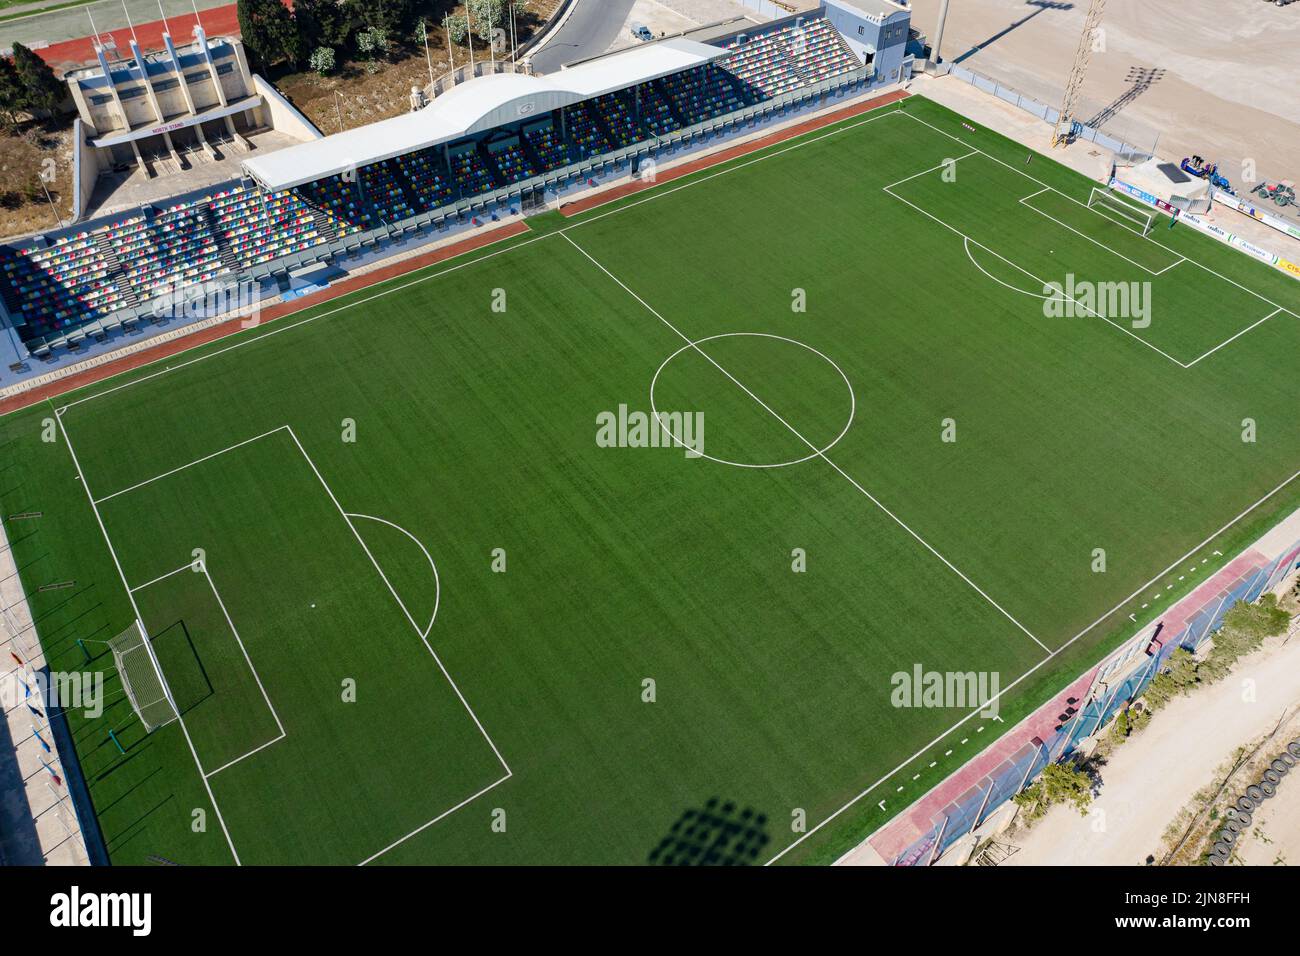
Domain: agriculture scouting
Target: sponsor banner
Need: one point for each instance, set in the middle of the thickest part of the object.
(1145, 196)
(1209, 228)
(1260, 215)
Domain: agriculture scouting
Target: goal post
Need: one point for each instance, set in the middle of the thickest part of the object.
(1106, 203)
(142, 678)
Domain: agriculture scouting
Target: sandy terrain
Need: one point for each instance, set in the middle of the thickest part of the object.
(1227, 90)
(1154, 774)
(1274, 837)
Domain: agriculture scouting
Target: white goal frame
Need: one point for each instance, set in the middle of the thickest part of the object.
(142, 678)
(1143, 219)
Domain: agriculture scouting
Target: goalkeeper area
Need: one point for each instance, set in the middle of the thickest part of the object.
(1106, 203)
(381, 583)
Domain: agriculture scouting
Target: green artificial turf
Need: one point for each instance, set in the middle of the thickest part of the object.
(635, 568)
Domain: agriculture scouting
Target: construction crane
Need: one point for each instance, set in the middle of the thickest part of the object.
(1074, 86)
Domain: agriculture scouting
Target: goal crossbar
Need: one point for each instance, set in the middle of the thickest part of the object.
(1106, 203)
(142, 678)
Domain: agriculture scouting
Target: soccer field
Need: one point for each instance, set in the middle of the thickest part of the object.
(435, 619)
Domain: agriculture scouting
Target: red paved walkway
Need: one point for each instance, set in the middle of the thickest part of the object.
(219, 21)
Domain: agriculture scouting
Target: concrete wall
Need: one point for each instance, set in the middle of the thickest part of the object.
(884, 38)
(85, 170)
(280, 114)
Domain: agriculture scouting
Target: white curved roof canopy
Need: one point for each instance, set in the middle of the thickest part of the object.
(476, 105)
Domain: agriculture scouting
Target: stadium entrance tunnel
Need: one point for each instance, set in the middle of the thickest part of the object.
(754, 400)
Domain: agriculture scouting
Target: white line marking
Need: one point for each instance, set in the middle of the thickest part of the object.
(161, 577)
(134, 607)
(398, 599)
(437, 583)
(197, 461)
(425, 826)
(1031, 670)
(256, 677)
(348, 520)
(418, 279)
(1021, 172)
(817, 451)
(1024, 201)
(1234, 338)
(1021, 268)
(944, 165)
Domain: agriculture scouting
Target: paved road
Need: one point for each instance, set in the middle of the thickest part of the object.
(591, 29)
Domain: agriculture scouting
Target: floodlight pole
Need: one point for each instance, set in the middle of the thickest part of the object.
(451, 54)
(492, 40)
(424, 28)
(469, 39)
(938, 33)
(338, 109)
(514, 46)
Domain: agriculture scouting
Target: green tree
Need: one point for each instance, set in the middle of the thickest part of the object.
(11, 93)
(1178, 677)
(487, 16)
(1058, 783)
(42, 90)
(269, 30)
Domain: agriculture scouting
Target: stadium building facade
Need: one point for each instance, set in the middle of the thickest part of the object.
(481, 150)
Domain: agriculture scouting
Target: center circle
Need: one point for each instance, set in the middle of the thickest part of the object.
(677, 439)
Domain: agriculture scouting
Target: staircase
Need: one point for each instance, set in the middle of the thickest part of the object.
(227, 254)
(995, 853)
(490, 165)
(324, 224)
(115, 269)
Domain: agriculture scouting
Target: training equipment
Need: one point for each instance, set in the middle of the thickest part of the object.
(1111, 206)
(1281, 193)
(1208, 171)
(142, 678)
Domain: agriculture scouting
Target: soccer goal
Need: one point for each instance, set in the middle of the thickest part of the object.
(142, 678)
(1105, 202)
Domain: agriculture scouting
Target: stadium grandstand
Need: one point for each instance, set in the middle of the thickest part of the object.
(484, 148)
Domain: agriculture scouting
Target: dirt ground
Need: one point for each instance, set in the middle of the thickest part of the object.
(22, 156)
(1150, 778)
(365, 97)
(1219, 81)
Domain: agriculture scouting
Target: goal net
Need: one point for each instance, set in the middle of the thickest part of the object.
(1112, 207)
(142, 678)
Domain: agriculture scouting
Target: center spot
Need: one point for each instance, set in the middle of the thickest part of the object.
(767, 401)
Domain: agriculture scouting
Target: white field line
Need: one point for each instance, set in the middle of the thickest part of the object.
(423, 634)
(135, 608)
(816, 451)
(437, 582)
(417, 280)
(425, 826)
(1016, 265)
(277, 329)
(1021, 172)
(1024, 201)
(1035, 295)
(660, 193)
(423, 638)
(1051, 653)
(1172, 565)
(243, 650)
(197, 461)
(1234, 338)
(163, 577)
(950, 161)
